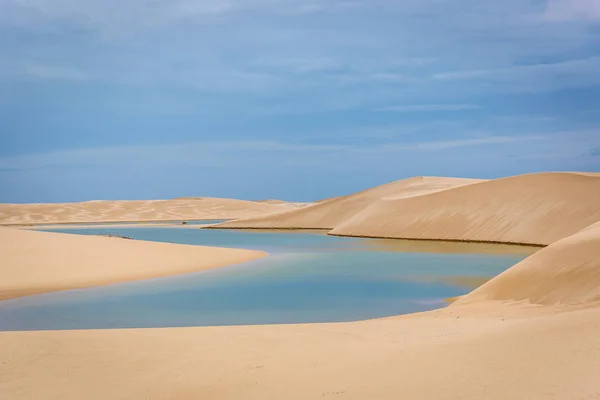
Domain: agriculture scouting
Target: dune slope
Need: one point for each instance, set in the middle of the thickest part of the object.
(330, 213)
(529, 209)
(137, 210)
(36, 262)
(566, 272)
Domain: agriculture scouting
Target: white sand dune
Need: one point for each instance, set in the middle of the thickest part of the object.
(36, 262)
(330, 213)
(529, 209)
(138, 210)
(565, 273)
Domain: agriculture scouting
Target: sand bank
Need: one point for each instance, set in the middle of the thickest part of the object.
(138, 210)
(36, 262)
(330, 213)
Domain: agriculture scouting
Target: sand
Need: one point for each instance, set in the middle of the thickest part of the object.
(565, 273)
(530, 333)
(528, 209)
(36, 262)
(535, 209)
(330, 213)
(196, 208)
(492, 352)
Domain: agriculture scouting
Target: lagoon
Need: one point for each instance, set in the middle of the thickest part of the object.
(309, 277)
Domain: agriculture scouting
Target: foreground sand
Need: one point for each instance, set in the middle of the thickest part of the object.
(458, 353)
(194, 208)
(36, 262)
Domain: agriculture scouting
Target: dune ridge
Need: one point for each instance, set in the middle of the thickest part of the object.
(137, 210)
(330, 213)
(536, 209)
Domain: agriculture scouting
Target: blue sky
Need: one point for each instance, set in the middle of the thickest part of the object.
(300, 100)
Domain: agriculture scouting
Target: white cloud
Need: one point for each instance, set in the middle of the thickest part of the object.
(299, 65)
(481, 141)
(535, 77)
(113, 17)
(572, 10)
(430, 107)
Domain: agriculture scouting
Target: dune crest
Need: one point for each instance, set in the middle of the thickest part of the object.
(536, 209)
(332, 212)
(138, 210)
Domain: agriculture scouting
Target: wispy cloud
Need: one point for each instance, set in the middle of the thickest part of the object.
(226, 153)
(533, 77)
(572, 10)
(481, 141)
(430, 107)
(56, 73)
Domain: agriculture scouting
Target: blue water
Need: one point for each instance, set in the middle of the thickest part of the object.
(310, 277)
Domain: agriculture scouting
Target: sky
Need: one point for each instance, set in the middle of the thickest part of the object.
(297, 100)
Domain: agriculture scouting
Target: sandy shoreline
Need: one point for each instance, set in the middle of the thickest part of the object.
(38, 262)
(122, 224)
(494, 352)
(535, 209)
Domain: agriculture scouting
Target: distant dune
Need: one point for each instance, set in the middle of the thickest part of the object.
(36, 262)
(291, 204)
(566, 272)
(330, 213)
(137, 210)
(528, 209)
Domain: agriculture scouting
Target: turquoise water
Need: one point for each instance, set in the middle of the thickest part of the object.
(310, 277)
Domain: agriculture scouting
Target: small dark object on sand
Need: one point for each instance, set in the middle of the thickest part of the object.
(184, 223)
(118, 237)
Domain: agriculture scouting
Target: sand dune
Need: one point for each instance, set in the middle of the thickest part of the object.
(137, 210)
(566, 272)
(330, 213)
(36, 262)
(529, 209)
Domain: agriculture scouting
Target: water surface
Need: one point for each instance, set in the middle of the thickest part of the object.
(310, 277)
